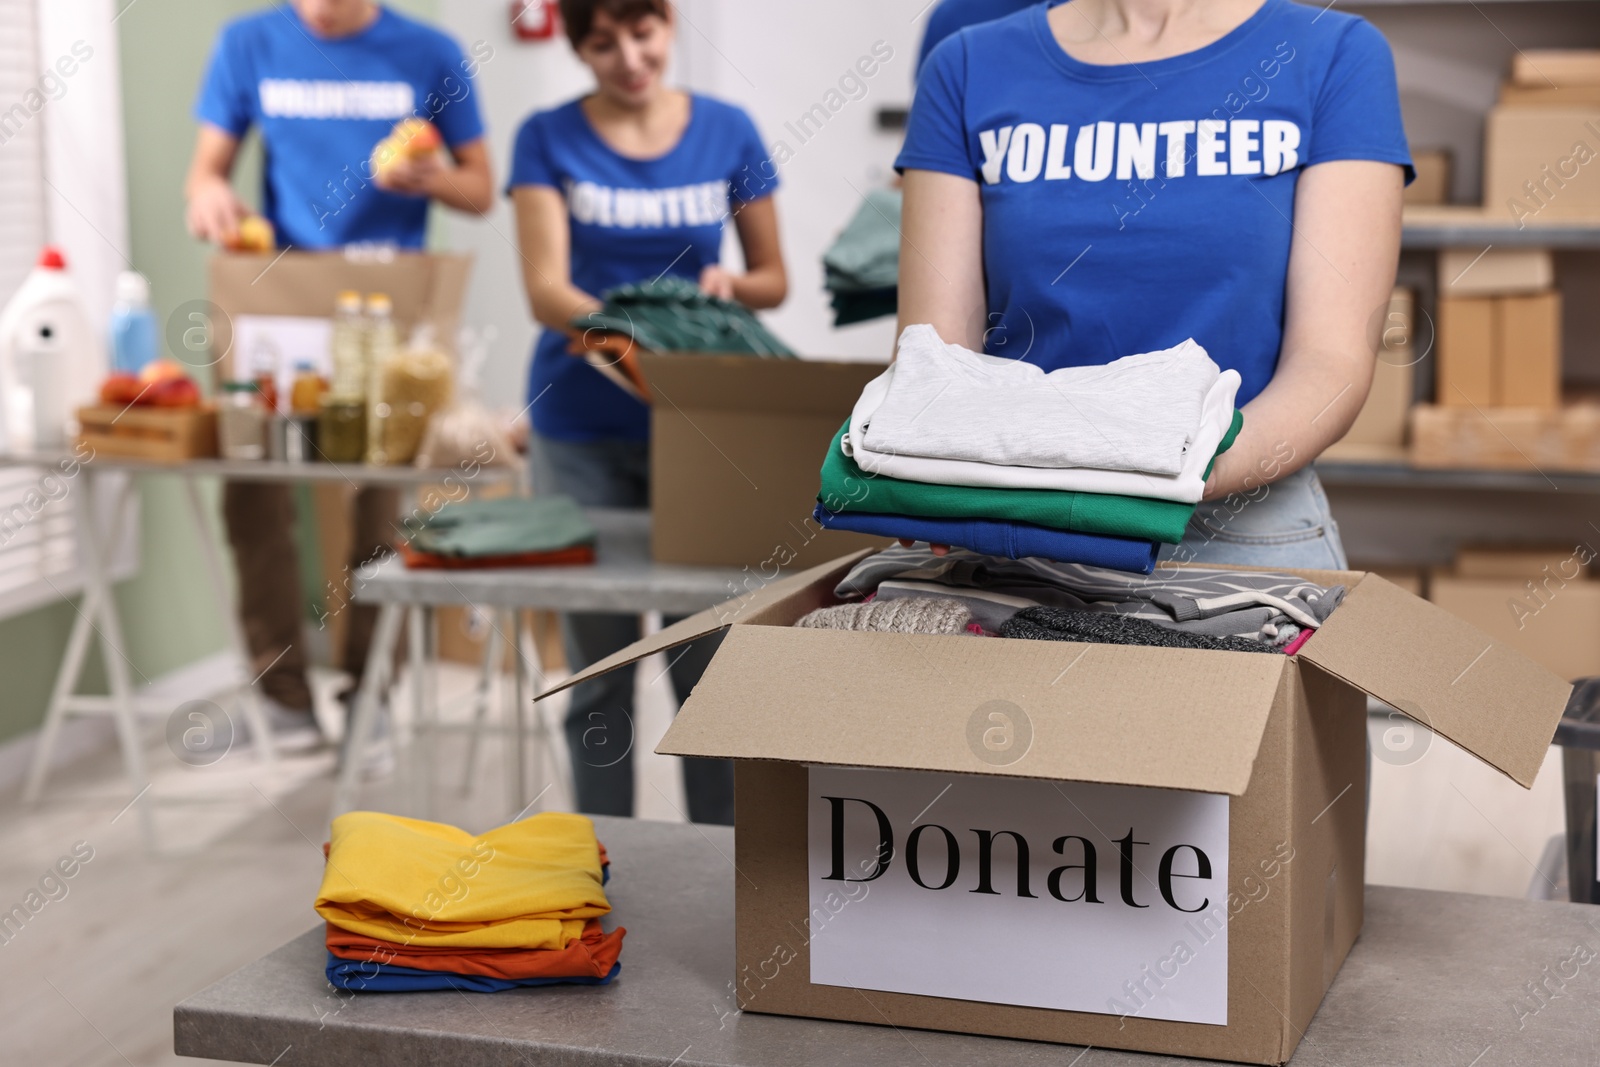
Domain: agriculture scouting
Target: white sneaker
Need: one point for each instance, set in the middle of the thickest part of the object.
(292, 731)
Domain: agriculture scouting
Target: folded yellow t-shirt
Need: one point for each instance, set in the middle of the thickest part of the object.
(529, 884)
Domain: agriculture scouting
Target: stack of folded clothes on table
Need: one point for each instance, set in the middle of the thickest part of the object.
(1096, 465)
(514, 531)
(413, 905)
(862, 266)
(1038, 599)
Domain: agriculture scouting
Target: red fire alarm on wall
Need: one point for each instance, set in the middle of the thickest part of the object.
(535, 20)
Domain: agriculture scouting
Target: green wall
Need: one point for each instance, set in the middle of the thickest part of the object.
(167, 610)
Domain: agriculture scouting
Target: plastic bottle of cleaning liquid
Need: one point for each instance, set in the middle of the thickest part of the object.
(51, 363)
(134, 338)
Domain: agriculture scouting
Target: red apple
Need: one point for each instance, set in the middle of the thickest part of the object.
(174, 393)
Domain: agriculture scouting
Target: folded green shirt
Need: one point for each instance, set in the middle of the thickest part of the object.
(508, 526)
(846, 487)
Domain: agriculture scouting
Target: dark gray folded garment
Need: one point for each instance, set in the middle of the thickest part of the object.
(1104, 628)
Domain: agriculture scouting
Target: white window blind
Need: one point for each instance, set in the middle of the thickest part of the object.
(38, 542)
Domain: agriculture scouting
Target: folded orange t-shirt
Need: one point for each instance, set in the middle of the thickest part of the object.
(591, 955)
(576, 555)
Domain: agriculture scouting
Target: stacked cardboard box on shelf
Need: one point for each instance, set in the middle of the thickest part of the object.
(1498, 368)
(1542, 601)
(1540, 143)
(1432, 184)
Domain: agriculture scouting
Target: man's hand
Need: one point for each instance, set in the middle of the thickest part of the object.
(414, 177)
(717, 282)
(215, 210)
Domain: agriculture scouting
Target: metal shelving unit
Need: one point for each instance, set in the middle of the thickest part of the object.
(1389, 475)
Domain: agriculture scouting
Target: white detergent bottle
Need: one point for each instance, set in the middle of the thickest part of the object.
(50, 360)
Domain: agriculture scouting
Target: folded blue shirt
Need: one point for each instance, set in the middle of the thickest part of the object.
(370, 976)
(1013, 540)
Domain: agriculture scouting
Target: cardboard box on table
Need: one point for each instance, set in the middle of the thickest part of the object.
(953, 726)
(424, 288)
(736, 443)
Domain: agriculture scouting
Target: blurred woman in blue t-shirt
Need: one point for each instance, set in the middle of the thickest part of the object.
(626, 184)
(1093, 179)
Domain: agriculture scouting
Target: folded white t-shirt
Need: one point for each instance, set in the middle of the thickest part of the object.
(1138, 413)
(1188, 486)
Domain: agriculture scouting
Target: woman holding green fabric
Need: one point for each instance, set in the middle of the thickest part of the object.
(1097, 178)
(629, 183)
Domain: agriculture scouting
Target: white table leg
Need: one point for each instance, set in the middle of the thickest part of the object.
(493, 654)
(517, 768)
(249, 700)
(419, 758)
(61, 693)
(380, 665)
(112, 648)
(544, 748)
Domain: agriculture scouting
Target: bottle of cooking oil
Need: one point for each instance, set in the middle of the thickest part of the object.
(383, 344)
(342, 418)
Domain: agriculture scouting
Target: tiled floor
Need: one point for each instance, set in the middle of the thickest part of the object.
(91, 979)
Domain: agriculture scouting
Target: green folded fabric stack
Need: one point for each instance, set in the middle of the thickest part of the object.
(509, 526)
(672, 314)
(863, 265)
(846, 487)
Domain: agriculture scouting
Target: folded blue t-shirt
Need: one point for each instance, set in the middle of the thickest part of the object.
(1013, 540)
(370, 976)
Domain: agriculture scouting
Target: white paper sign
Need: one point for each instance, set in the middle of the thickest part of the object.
(281, 342)
(1120, 907)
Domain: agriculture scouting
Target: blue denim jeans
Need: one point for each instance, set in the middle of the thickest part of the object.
(1284, 524)
(600, 719)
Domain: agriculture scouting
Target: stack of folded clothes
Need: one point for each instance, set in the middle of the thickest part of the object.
(1096, 465)
(540, 531)
(414, 905)
(862, 266)
(1037, 599)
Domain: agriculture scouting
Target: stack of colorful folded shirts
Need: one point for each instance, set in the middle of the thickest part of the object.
(414, 905)
(1096, 465)
(514, 531)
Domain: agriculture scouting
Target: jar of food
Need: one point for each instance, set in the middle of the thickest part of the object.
(342, 429)
(305, 394)
(242, 422)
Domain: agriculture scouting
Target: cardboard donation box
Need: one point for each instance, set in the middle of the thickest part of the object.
(278, 309)
(736, 446)
(1143, 848)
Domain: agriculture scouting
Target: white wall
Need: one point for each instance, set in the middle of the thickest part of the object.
(774, 60)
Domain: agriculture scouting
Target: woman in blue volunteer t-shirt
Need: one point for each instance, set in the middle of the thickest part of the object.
(1088, 180)
(627, 184)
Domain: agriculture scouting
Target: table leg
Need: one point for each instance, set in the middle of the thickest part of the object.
(249, 700)
(419, 755)
(112, 646)
(517, 771)
(380, 664)
(544, 748)
(493, 654)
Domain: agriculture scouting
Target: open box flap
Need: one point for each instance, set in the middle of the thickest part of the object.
(1178, 718)
(812, 587)
(1444, 673)
(782, 386)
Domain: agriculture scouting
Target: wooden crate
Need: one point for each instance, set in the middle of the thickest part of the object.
(163, 435)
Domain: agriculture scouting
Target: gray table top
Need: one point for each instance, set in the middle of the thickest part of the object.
(1433, 982)
(622, 579)
(269, 470)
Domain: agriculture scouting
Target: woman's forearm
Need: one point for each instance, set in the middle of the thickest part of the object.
(1309, 404)
(556, 305)
(764, 287)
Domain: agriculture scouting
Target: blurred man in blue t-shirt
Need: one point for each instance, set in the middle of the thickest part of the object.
(323, 82)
